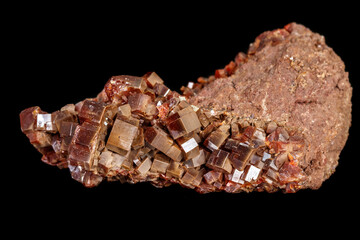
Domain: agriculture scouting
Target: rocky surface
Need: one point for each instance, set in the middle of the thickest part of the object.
(292, 77)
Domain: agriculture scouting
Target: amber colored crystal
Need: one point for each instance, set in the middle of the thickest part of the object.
(121, 137)
(189, 176)
(28, 118)
(125, 110)
(215, 140)
(189, 146)
(91, 111)
(192, 177)
(219, 160)
(174, 153)
(80, 155)
(138, 141)
(144, 166)
(106, 159)
(213, 176)
(196, 161)
(153, 79)
(139, 102)
(161, 90)
(160, 163)
(183, 122)
(158, 138)
(202, 118)
(85, 134)
(39, 139)
(174, 170)
(67, 129)
(60, 117)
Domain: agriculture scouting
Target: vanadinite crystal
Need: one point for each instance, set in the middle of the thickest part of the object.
(138, 130)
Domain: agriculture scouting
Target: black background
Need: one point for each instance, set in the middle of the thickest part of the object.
(62, 54)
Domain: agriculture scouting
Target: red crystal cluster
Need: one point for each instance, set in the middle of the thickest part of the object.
(138, 130)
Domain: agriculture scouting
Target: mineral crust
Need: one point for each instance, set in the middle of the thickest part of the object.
(266, 122)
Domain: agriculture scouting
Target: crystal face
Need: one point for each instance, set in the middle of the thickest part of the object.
(138, 130)
(121, 137)
(44, 122)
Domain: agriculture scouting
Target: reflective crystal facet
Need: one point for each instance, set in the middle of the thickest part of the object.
(252, 173)
(44, 122)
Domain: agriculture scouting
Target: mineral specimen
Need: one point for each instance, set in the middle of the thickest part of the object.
(138, 130)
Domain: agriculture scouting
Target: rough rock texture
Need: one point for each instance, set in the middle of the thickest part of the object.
(292, 77)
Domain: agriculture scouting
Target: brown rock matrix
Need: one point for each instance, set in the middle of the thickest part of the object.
(273, 119)
(292, 77)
